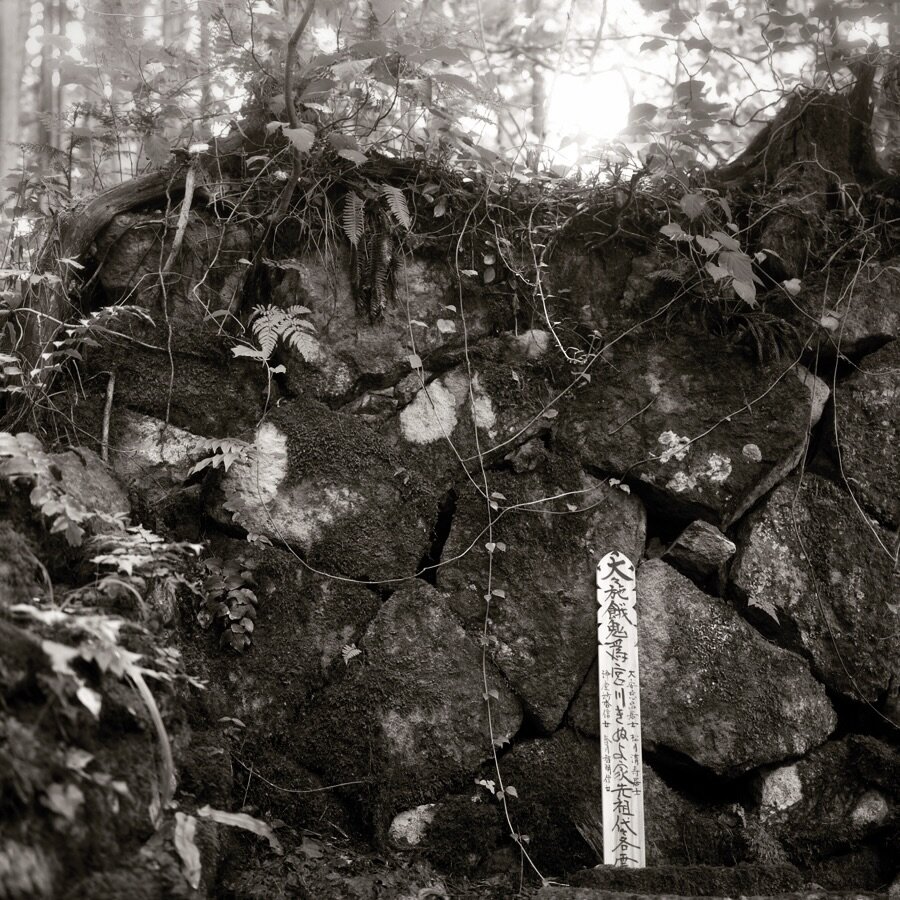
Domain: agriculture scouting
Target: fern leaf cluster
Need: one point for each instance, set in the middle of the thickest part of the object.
(371, 229)
(271, 324)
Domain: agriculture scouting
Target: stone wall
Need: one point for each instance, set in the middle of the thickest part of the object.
(385, 500)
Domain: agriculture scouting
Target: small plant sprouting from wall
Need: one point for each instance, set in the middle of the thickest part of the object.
(227, 602)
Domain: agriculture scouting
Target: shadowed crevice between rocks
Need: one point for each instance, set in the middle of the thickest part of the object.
(440, 531)
(698, 783)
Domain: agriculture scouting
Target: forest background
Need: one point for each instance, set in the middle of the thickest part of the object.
(94, 93)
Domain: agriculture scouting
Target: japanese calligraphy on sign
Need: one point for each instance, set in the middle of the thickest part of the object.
(620, 712)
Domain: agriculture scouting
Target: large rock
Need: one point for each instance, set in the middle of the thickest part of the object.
(74, 489)
(147, 452)
(711, 687)
(558, 786)
(496, 408)
(199, 387)
(866, 433)
(303, 623)
(155, 461)
(209, 274)
(543, 623)
(701, 550)
(697, 444)
(422, 317)
(855, 311)
(818, 577)
(87, 480)
(409, 717)
(437, 408)
(329, 486)
(20, 580)
(600, 290)
(839, 796)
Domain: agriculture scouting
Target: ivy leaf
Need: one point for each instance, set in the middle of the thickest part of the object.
(738, 265)
(642, 112)
(302, 138)
(693, 205)
(701, 44)
(746, 290)
(717, 272)
(727, 241)
(708, 245)
(354, 156)
(675, 231)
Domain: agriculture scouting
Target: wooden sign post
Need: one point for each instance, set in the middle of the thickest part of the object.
(620, 712)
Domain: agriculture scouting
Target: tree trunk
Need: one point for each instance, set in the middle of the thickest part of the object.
(11, 58)
(50, 88)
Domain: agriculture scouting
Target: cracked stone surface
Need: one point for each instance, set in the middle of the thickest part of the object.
(696, 444)
(818, 578)
(712, 688)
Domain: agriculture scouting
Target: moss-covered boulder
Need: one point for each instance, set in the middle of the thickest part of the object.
(819, 578)
(711, 687)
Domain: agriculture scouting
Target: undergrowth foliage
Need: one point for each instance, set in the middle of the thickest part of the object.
(225, 599)
(271, 324)
(129, 559)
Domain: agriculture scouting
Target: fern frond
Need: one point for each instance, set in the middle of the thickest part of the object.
(382, 266)
(670, 275)
(268, 324)
(397, 204)
(271, 324)
(306, 345)
(353, 217)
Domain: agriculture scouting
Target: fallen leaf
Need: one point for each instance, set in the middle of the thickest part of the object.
(63, 799)
(242, 820)
(185, 844)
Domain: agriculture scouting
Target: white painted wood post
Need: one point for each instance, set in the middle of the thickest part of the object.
(620, 713)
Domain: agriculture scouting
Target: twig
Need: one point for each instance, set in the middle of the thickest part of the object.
(189, 182)
(287, 193)
(633, 417)
(46, 575)
(107, 412)
(293, 40)
(284, 790)
(247, 789)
